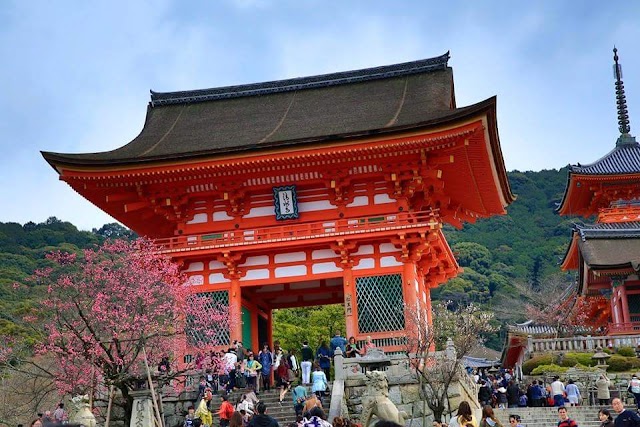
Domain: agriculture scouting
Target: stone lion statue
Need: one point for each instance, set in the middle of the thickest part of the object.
(376, 401)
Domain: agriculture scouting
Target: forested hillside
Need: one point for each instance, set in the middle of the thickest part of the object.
(501, 256)
(22, 251)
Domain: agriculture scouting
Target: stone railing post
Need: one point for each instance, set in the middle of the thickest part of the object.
(337, 390)
(338, 364)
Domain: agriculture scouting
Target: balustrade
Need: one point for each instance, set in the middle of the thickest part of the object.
(582, 343)
(342, 227)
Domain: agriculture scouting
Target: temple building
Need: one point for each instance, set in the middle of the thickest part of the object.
(309, 191)
(606, 254)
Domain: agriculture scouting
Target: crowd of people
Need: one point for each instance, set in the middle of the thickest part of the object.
(242, 368)
(50, 418)
(502, 391)
(465, 418)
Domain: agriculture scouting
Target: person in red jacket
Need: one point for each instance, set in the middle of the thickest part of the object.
(225, 412)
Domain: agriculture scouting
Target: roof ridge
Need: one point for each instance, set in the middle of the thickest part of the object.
(627, 156)
(300, 83)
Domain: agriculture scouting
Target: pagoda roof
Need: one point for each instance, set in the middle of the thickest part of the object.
(623, 159)
(611, 253)
(605, 246)
(613, 230)
(620, 164)
(361, 103)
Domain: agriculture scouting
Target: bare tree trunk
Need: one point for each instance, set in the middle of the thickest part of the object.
(153, 392)
(111, 393)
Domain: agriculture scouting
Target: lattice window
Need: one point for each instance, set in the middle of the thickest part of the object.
(634, 307)
(222, 334)
(380, 304)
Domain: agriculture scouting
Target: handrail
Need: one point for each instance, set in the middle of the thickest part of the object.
(582, 343)
(301, 231)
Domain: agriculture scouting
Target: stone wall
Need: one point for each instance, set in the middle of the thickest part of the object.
(404, 389)
(174, 409)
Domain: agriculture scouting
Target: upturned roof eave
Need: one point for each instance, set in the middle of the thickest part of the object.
(564, 204)
(61, 160)
(570, 253)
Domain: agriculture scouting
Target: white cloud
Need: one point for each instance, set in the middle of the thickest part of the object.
(76, 75)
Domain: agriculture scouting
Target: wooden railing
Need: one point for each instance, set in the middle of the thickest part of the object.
(302, 231)
(625, 328)
(582, 343)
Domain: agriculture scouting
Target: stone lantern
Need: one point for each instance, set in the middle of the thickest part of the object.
(601, 359)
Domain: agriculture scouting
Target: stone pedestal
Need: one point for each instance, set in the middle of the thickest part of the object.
(142, 413)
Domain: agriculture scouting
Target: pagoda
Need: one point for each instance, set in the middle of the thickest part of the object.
(606, 254)
(308, 191)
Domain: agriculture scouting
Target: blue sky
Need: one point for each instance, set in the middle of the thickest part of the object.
(76, 75)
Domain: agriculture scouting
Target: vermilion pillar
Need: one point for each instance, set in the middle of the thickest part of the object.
(349, 289)
(235, 310)
(625, 304)
(409, 285)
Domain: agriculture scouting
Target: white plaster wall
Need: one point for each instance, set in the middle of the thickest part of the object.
(198, 218)
(262, 273)
(216, 265)
(294, 270)
(261, 211)
(325, 267)
(319, 205)
(364, 250)
(196, 280)
(381, 199)
(387, 247)
(256, 260)
(195, 266)
(290, 257)
(323, 254)
(365, 263)
(359, 201)
(217, 278)
(389, 261)
(221, 216)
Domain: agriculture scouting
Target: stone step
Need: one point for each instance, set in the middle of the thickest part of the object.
(585, 416)
(284, 413)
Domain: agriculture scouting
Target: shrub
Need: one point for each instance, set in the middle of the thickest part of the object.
(583, 358)
(618, 363)
(635, 363)
(568, 361)
(543, 369)
(536, 361)
(627, 351)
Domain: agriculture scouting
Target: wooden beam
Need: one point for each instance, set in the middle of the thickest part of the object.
(130, 207)
(121, 197)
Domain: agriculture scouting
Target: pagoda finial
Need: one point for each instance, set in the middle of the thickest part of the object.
(621, 100)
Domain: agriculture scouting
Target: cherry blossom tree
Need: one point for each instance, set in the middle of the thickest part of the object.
(560, 307)
(113, 310)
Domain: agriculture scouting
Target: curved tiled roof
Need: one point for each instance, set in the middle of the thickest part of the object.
(330, 107)
(623, 159)
(616, 230)
(611, 253)
(301, 83)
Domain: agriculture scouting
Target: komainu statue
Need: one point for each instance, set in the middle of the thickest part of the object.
(376, 401)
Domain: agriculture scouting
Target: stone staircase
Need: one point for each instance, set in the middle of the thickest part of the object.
(585, 416)
(284, 413)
